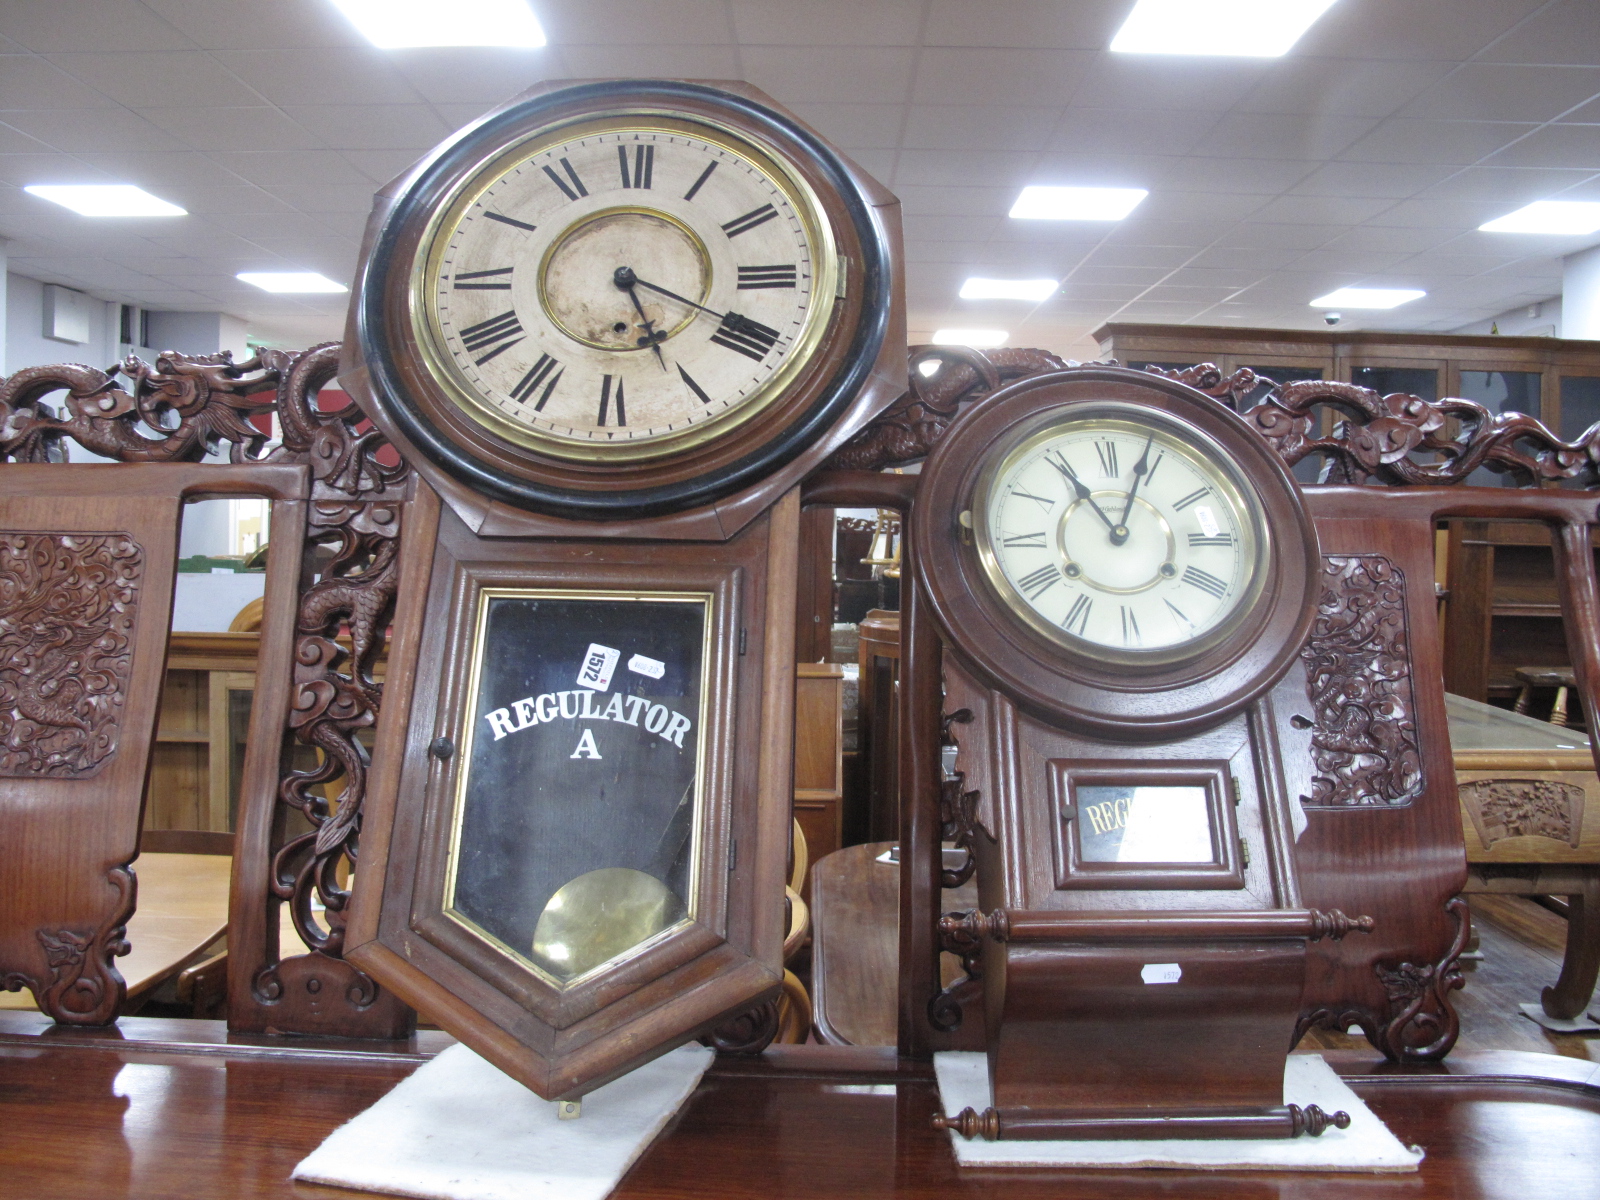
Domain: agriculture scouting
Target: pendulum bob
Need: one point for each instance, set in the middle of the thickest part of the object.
(1124, 1025)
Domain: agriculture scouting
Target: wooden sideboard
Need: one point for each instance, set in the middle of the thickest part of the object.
(819, 757)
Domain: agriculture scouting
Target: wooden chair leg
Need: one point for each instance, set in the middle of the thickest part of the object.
(1524, 698)
(1581, 963)
(1558, 713)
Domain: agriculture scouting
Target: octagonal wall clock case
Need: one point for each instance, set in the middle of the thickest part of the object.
(627, 300)
(613, 325)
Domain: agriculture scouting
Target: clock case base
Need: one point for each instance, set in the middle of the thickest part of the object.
(564, 1042)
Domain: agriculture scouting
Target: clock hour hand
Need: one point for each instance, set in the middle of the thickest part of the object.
(651, 338)
(1061, 464)
(1119, 532)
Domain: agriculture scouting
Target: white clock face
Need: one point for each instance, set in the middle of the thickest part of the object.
(625, 287)
(1121, 534)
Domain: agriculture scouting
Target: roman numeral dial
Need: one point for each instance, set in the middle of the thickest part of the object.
(1119, 535)
(625, 287)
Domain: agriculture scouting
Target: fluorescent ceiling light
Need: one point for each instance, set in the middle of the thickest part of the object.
(1076, 203)
(1367, 298)
(970, 337)
(1234, 28)
(291, 281)
(1008, 289)
(1549, 216)
(106, 200)
(399, 24)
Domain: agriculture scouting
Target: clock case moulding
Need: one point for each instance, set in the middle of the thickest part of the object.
(706, 493)
(721, 519)
(1078, 1046)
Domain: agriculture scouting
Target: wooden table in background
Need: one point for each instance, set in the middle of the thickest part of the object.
(183, 909)
(855, 945)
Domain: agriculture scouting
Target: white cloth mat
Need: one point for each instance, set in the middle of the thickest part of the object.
(460, 1129)
(1366, 1146)
(1582, 1023)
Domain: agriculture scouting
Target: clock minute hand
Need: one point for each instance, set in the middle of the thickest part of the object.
(1082, 492)
(674, 296)
(1119, 534)
(651, 337)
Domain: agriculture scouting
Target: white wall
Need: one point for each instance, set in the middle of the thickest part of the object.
(1527, 320)
(26, 345)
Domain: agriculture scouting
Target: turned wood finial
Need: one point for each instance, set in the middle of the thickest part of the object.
(970, 1123)
(1309, 1119)
(1334, 924)
(976, 925)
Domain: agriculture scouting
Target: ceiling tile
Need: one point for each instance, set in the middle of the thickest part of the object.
(919, 228)
(842, 75)
(1282, 135)
(159, 79)
(933, 168)
(1360, 262)
(1563, 33)
(1130, 131)
(28, 81)
(266, 167)
(14, 141)
(352, 75)
(1428, 212)
(372, 126)
(1216, 278)
(1199, 173)
(649, 61)
(261, 128)
(1376, 180)
(1554, 146)
(1418, 29)
(1249, 258)
(979, 127)
(1020, 78)
(1139, 81)
(1502, 92)
(1368, 238)
(376, 166)
(108, 129)
(203, 201)
(1083, 25)
(877, 163)
(1320, 210)
(153, 172)
(622, 22)
(1166, 258)
(479, 75)
(855, 126)
(1458, 142)
(239, 24)
(64, 25)
(827, 22)
(1340, 87)
(1165, 205)
(1511, 187)
(324, 197)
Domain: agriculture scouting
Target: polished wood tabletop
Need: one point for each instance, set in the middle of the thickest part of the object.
(178, 1109)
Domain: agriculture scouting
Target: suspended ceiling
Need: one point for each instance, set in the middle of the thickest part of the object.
(1368, 156)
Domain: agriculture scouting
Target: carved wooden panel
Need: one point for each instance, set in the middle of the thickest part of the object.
(1358, 677)
(68, 602)
(1507, 808)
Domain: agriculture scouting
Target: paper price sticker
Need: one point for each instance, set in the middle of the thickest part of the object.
(1207, 519)
(1161, 973)
(598, 664)
(652, 667)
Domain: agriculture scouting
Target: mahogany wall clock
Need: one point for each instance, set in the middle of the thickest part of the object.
(1121, 573)
(613, 325)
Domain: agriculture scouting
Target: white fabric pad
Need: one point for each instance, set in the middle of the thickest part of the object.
(1582, 1023)
(460, 1129)
(1366, 1146)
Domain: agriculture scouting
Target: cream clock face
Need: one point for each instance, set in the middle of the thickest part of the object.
(625, 287)
(1122, 535)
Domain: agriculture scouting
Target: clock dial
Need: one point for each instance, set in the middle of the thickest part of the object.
(1120, 534)
(624, 287)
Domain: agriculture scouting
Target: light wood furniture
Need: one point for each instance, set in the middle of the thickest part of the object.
(878, 719)
(1530, 811)
(182, 913)
(819, 757)
(205, 710)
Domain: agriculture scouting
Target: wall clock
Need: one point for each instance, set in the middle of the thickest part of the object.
(1121, 573)
(613, 325)
(623, 299)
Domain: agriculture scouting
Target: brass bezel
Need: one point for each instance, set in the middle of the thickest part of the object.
(469, 735)
(1201, 449)
(422, 315)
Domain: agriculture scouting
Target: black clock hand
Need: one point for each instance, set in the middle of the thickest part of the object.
(1120, 533)
(1060, 464)
(671, 295)
(651, 337)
